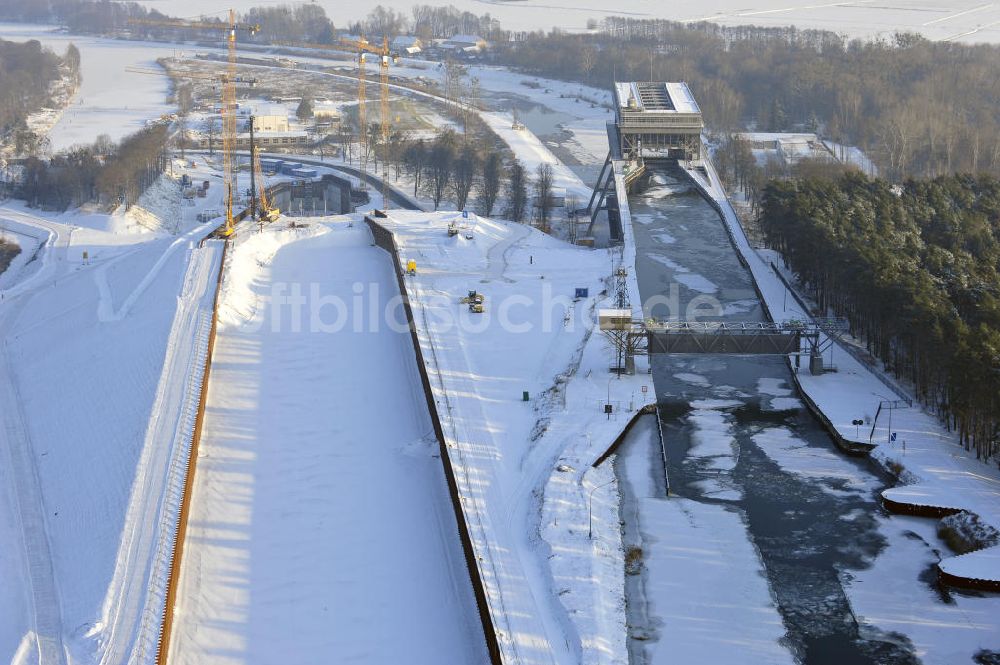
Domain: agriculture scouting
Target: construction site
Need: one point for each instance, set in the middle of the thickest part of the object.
(348, 412)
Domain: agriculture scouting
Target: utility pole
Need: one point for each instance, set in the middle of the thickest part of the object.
(253, 180)
(590, 530)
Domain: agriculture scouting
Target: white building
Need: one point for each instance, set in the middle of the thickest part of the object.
(657, 118)
(264, 140)
(270, 123)
(465, 43)
(326, 113)
(407, 44)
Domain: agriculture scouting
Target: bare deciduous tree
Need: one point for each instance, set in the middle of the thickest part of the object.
(465, 172)
(517, 192)
(543, 194)
(489, 184)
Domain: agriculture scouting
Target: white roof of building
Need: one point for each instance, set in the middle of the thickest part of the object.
(466, 39)
(406, 40)
(660, 97)
(262, 110)
(269, 135)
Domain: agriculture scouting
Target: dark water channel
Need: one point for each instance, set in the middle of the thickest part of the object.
(806, 531)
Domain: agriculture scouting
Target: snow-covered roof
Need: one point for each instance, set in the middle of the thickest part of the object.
(406, 41)
(264, 110)
(660, 97)
(268, 135)
(683, 100)
(467, 39)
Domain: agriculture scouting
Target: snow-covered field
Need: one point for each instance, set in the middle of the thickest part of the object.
(84, 346)
(321, 528)
(963, 20)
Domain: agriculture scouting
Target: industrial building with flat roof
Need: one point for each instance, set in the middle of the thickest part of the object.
(657, 119)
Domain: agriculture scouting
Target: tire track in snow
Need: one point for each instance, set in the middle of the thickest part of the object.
(29, 504)
(105, 307)
(29, 508)
(133, 606)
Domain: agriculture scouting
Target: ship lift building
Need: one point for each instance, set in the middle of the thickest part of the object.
(654, 122)
(657, 120)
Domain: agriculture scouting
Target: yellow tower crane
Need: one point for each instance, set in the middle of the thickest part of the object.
(363, 48)
(228, 96)
(386, 58)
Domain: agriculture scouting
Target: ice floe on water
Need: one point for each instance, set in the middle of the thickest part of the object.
(695, 379)
(832, 473)
(739, 306)
(683, 275)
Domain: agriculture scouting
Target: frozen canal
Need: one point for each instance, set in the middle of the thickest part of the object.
(320, 528)
(111, 100)
(747, 460)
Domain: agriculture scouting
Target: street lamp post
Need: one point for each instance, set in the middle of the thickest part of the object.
(590, 531)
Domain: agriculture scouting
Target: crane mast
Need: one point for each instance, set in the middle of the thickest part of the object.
(386, 58)
(362, 120)
(384, 77)
(229, 179)
(228, 99)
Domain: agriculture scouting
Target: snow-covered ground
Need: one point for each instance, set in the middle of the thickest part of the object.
(320, 526)
(532, 153)
(523, 467)
(86, 321)
(962, 20)
(522, 142)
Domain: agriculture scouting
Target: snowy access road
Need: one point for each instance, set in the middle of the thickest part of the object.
(320, 526)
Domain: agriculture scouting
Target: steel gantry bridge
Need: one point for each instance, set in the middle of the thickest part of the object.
(634, 337)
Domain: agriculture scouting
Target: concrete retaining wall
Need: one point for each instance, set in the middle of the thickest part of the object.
(177, 551)
(383, 238)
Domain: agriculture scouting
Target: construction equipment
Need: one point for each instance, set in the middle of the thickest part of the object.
(266, 211)
(386, 57)
(474, 298)
(476, 307)
(363, 48)
(231, 28)
(411, 267)
(452, 229)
